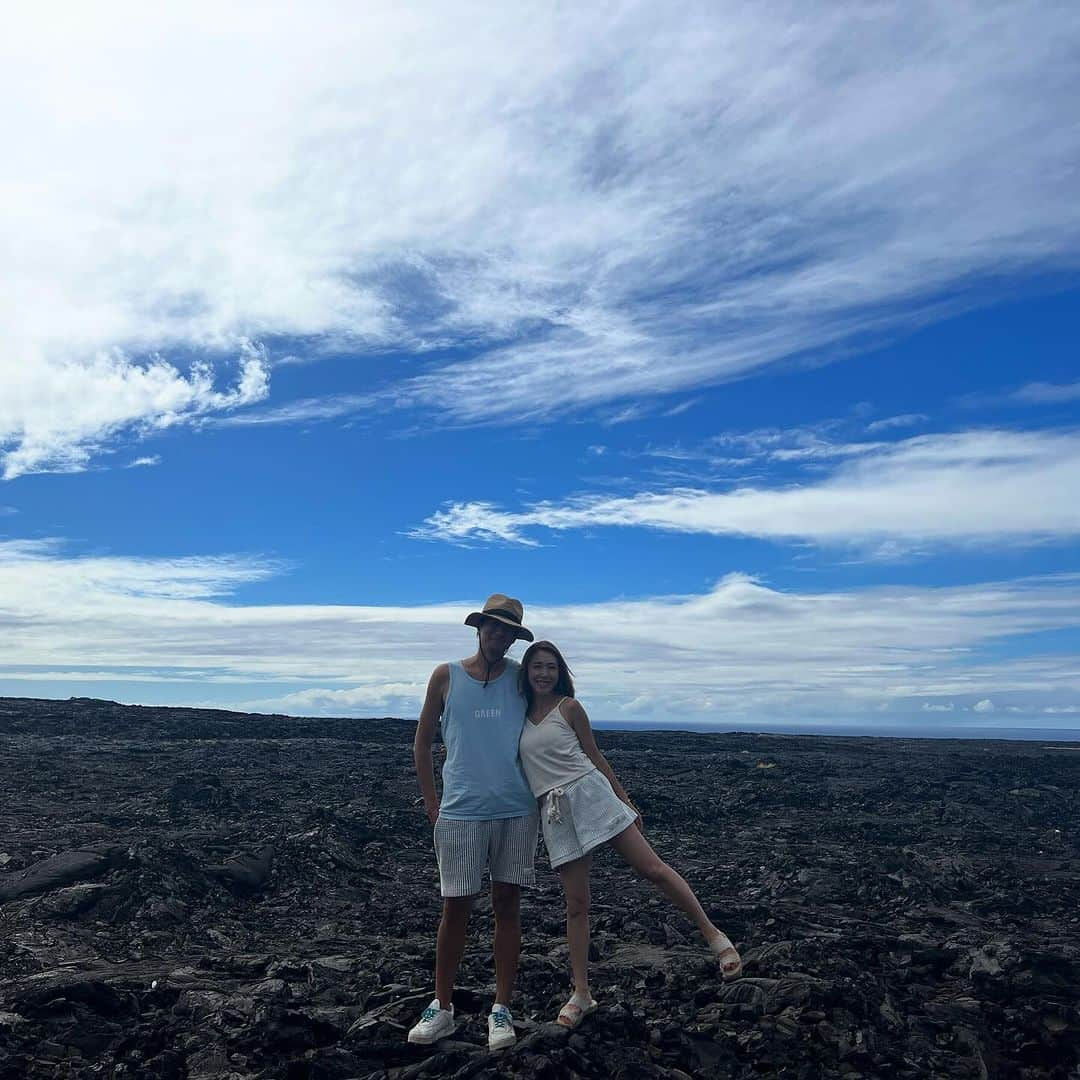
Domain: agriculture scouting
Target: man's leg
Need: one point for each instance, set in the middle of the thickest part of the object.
(506, 905)
(513, 848)
(461, 848)
(450, 945)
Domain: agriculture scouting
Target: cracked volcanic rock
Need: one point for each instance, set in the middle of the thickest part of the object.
(188, 893)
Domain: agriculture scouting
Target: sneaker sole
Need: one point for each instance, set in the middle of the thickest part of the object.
(502, 1043)
(427, 1040)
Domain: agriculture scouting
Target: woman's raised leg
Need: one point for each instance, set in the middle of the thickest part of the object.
(638, 852)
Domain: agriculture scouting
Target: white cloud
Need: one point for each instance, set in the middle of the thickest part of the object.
(56, 413)
(929, 707)
(462, 523)
(385, 699)
(144, 462)
(128, 676)
(28, 565)
(890, 422)
(983, 706)
(740, 650)
(1041, 393)
(682, 406)
(299, 412)
(602, 201)
(990, 486)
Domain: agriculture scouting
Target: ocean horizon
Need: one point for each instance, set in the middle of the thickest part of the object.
(852, 729)
(1062, 735)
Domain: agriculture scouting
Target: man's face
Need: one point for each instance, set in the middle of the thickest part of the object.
(495, 638)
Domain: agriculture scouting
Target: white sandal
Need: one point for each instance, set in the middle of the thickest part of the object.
(721, 947)
(575, 1010)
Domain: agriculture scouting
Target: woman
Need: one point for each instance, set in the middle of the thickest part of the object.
(583, 805)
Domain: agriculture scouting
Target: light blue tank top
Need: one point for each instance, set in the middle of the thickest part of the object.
(481, 725)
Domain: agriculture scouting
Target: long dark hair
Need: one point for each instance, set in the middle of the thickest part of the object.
(563, 685)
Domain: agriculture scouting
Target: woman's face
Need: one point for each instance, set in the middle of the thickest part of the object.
(543, 671)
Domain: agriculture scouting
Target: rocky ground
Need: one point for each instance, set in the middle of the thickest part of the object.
(194, 894)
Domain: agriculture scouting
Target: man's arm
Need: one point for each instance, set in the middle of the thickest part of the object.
(434, 701)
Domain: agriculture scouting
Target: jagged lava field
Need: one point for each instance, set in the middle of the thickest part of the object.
(191, 894)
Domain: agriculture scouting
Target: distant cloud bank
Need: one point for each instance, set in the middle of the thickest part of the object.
(740, 650)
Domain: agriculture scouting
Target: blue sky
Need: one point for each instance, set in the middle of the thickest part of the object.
(741, 346)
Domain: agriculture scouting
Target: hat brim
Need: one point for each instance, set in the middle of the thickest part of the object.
(476, 617)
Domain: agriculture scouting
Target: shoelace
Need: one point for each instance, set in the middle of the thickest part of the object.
(429, 1014)
(501, 1019)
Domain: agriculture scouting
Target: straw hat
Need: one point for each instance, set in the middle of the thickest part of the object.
(504, 608)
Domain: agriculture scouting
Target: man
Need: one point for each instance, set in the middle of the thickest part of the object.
(487, 819)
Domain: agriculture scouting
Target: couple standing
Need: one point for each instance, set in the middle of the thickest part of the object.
(519, 748)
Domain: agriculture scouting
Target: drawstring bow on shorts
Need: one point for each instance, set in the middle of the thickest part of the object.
(554, 814)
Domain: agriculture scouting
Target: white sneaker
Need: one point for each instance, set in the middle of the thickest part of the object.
(435, 1024)
(501, 1032)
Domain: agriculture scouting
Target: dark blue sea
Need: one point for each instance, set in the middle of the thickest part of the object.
(911, 731)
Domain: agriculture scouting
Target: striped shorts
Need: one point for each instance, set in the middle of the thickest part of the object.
(505, 848)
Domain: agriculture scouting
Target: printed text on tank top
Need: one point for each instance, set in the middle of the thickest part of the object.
(486, 714)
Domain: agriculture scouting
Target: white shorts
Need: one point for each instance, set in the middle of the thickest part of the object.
(505, 848)
(581, 816)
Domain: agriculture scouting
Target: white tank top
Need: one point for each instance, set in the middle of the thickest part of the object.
(551, 753)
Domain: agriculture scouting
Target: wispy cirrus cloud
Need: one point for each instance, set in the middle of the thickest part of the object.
(588, 203)
(988, 486)
(28, 564)
(821, 442)
(888, 423)
(737, 650)
(302, 411)
(1041, 393)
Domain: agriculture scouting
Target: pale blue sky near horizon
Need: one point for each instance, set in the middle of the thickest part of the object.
(741, 346)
